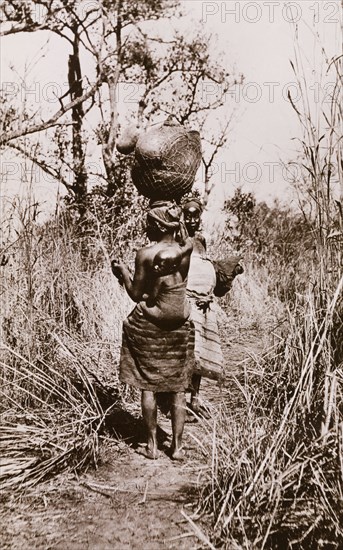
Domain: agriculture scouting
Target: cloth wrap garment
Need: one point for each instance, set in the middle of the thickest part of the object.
(153, 357)
(171, 305)
(201, 282)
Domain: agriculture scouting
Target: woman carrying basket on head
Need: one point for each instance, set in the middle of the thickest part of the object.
(158, 338)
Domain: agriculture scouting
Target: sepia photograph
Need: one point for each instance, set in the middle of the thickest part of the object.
(171, 274)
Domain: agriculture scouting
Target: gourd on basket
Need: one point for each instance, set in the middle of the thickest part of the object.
(166, 159)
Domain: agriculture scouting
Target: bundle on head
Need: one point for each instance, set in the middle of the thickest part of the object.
(167, 158)
(166, 213)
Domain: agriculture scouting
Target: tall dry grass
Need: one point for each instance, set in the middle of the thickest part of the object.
(276, 478)
(61, 315)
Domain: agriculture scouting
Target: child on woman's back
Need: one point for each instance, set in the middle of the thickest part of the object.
(167, 302)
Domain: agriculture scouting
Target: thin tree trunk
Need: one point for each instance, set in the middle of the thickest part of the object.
(76, 91)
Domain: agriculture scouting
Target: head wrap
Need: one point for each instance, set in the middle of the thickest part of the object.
(194, 202)
(166, 213)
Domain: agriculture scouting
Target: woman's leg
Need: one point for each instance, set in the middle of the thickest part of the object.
(149, 412)
(178, 416)
(196, 380)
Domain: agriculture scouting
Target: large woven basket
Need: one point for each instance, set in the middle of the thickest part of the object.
(167, 158)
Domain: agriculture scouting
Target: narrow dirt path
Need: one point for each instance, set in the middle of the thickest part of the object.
(130, 502)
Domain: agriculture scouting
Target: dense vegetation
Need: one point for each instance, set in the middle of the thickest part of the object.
(275, 479)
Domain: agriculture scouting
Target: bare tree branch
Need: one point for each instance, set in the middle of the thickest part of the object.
(23, 27)
(39, 127)
(218, 144)
(41, 164)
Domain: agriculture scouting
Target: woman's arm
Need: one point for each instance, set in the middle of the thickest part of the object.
(135, 286)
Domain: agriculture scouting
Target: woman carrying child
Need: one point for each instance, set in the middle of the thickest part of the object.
(157, 354)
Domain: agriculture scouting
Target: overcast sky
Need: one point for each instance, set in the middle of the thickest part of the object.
(258, 38)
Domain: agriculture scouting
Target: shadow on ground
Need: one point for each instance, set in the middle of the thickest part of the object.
(123, 425)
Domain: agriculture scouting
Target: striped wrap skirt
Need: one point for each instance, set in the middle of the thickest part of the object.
(154, 358)
(207, 350)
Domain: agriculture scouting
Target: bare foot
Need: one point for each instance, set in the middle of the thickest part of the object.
(177, 454)
(190, 416)
(195, 405)
(152, 454)
(199, 410)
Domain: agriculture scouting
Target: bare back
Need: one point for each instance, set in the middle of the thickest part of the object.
(167, 301)
(145, 277)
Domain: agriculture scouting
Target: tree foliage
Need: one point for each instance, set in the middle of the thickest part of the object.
(126, 43)
(275, 236)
